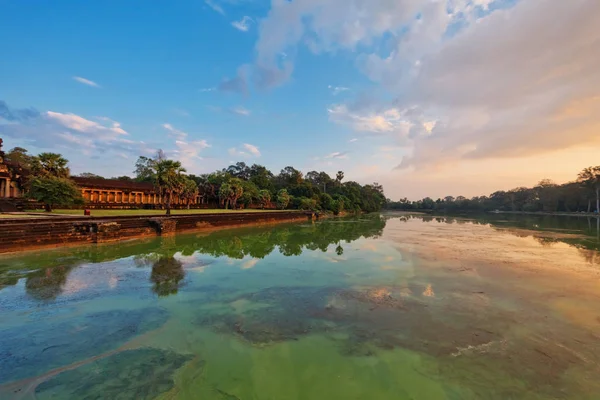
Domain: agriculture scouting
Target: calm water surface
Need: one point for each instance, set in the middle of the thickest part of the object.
(380, 307)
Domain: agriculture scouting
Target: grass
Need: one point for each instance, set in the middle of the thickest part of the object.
(114, 213)
(17, 216)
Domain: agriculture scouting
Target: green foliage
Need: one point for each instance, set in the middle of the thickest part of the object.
(237, 184)
(168, 180)
(307, 204)
(19, 156)
(50, 165)
(190, 190)
(264, 198)
(90, 175)
(283, 199)
(54, 192)
(145, 169)
(230, 192)
(546, 196)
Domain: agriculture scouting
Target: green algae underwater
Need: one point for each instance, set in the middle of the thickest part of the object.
(388, 306)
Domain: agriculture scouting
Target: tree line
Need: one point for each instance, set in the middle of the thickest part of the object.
(47, 180)
(580, 195)
(244, 186)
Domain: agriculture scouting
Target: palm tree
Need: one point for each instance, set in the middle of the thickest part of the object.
(50, 165)
(339, 177)
(237, 190)
(169, 180)
(590, 178)
(190, 191)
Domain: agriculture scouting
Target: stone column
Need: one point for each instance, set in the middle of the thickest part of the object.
(1, 188)
(7, 188)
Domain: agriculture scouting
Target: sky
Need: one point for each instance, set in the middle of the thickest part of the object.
(427, 97)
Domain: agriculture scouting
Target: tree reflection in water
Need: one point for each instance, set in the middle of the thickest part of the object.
(167, 276)
(46, 284)
(47, 272)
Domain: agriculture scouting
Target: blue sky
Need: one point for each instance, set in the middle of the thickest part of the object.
(369, 87)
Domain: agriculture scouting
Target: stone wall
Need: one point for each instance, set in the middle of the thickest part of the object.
(21, 234)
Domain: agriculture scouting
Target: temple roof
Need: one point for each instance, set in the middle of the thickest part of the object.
(113, 184)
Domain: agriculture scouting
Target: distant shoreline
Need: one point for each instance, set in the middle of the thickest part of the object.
(550, 214)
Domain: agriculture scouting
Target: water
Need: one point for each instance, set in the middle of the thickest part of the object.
(379, 307)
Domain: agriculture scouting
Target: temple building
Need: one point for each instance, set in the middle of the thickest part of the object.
(9, 178)
(97, 193)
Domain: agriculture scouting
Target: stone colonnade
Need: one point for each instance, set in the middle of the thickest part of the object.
(99, 196)
(8, 189)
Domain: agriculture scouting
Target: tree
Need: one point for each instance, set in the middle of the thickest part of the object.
(283, 199)
(250, 195)
(289, 176)
(144, 169)
(230, 192)
(264, 197)
(50, 165)
(339, 177)
(168, 180)
(54, 191)
(239, 170)
(225, 193)
(237, 190)
(262, 177)
(19, 156)
(190, 191)
(590, 178)
(123, 178)
(90, 175)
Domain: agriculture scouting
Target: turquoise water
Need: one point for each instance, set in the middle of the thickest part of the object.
(377, 307)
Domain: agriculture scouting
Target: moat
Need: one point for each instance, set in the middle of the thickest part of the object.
(385, 306)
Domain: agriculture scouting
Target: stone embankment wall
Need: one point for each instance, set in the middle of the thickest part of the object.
(23, 233)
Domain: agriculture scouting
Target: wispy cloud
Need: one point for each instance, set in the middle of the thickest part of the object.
(80, 124)
(335, 90)
(86, 81)
(353, 140)
(189, 152)
(216, 7)
(241, 111)
(176, 133)
(243, 24)
(248, 150)
(337, 155)
(206, 90)
(252, 149)
(237, 84)
(79, 135)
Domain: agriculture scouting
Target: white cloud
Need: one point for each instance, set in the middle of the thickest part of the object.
(216, 7)
(176, 133)
(86, 81)
(80, 136)
(337, 155)
(189, 153)
(335, 90)
(80, 124)
(252, 149)
(387, 121)
(243, 24)
(241, 111)
(234, 152)
(353, 140)
(206, 90)
(248, 150)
